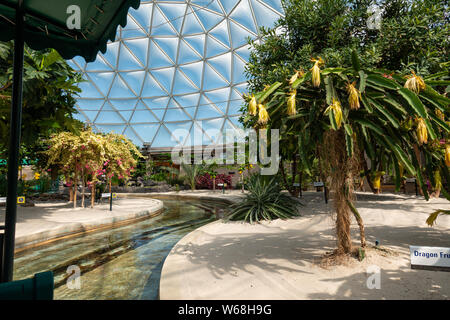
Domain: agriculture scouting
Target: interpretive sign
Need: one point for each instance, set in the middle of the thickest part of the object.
(107, 195)
(318, 184)
(19, 199)
(430, 258)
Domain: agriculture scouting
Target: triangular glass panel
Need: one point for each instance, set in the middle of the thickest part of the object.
(238, 70)
(80, 62)
(164, 77)
(89, 104)
(239, 35)
(146, 131)
(133, 29)
(222, 64)
(197, 42)
(207, 4)
(160, 25)
(188, 100)
(164, 139)
(139, 48)
(134, 79)
(157, 103)
(89, 90)
(179, 129)
(191, 24)
(208, 19)
(129, 133)
(182, 84)
(212, 80)
(143, 15)
(126, 115)
(221, 95)
(157, 58)
(228, 5)
(152, 88)
(112, 52)
(243, 15)
(90, 115)
(109, 117)
(175, 113)
(141, 116)
(220, 32)
(127, 61)
(169, 46)
(186, 54)
(174, 13)
(264, 16)
(102, 80)
(214, 47)
(207, 112)
(194, 72)
(73, 65)
(119, 89)
(98, 65)
(243, 52)
(274, 4)
(120, 104)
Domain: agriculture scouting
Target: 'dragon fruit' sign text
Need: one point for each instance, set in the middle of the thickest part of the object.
(425, 257)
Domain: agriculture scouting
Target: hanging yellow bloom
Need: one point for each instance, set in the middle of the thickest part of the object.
(415, 83)
(353, 96)
(315, 72)
(377, 179)
(263, 116)
(252, 106)
(291, 103)
(440, 114)
(447, 155)
(337, 109)
(36, 176)
(422, 133)
(297, 74)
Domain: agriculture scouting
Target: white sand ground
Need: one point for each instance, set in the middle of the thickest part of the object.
(280, 259)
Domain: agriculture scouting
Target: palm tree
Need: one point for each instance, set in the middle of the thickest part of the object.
(191, 171)
(339, 113)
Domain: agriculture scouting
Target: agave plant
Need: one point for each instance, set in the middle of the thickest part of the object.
(346, 116)
(265, 201)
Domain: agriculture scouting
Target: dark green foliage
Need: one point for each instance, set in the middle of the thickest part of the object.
(413, 35)
(264, 202)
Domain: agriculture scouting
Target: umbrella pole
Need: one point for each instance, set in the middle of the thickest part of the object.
(14, 143)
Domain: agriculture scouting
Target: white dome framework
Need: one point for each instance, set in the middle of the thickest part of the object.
(176, 65)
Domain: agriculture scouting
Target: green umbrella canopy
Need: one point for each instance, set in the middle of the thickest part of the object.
(46, 24)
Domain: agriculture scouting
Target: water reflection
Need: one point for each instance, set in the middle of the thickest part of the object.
(120, 263)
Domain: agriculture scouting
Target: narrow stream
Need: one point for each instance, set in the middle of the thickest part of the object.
(119, 263)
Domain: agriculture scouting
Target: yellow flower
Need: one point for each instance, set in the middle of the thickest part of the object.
(415, 83)
(447, 155)
(440, 114)
(291, 103)
(354, 95)
(240, 172)
(315, 72)
(252, 106)
(422, 133)
(337, 109)
(36, 176)
(263, 116)
(297, 74)
(24, 176)
(377, 179)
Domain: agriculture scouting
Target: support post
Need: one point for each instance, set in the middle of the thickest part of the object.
(14, 145)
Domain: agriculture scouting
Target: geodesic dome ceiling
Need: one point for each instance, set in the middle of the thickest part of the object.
(176, 65)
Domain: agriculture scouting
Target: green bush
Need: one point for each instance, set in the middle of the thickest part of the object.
(264, 201)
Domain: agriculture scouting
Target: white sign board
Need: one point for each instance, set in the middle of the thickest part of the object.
(296, 184)
(410, 179)
(430, 256)
(3, 200)
(20, 199)
(318, 184)
(107, 195)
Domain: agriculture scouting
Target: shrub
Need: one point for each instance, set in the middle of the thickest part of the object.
(205, 181)
(264, 201)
